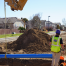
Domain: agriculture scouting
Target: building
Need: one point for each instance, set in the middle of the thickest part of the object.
(58, 23)
(51, 25)
(18, 23)
(48, 25)
(54, 26)
(62, 27)
(11, 23)
(42, 24)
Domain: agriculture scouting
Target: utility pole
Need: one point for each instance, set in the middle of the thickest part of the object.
(48, 23)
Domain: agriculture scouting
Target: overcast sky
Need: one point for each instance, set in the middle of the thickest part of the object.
(56, 9)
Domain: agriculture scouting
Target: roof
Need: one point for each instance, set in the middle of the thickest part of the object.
(57, 23)
(43, 22)
(49, 22)
(10, 19)
(63, 25)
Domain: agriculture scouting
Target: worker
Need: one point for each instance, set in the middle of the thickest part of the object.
(61, 61)
(56, 43)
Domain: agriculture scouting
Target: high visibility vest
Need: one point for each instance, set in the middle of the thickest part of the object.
(55, 46)
(64, 64)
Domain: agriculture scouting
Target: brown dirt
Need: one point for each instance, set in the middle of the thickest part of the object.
(22, 62)
(31, 41)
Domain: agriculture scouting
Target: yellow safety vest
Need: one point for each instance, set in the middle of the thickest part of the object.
(55, 46)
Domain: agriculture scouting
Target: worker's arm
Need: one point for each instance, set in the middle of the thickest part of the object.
(61, 42)
(62, 46)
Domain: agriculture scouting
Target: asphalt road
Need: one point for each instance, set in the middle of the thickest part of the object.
(53, 33)
(8, 39)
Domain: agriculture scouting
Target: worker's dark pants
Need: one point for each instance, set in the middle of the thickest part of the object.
(55, 59)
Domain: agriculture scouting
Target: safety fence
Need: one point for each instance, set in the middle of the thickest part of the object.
(8, 31)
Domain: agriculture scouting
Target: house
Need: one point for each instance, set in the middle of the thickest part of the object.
(58, 23)
(2, 25)
(54, 26)
(51, 25)
(63, 27)
(11, 23)
(19, 23)
(48, 24)
(42, 24)
(28, 25)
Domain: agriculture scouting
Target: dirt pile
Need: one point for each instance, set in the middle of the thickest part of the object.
(32, 41)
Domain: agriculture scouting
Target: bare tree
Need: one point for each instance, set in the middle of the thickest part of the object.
(64, 21)
(35, 21)
(3, 24)
(9, 25)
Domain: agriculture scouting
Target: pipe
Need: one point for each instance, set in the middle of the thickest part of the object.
(26, 55)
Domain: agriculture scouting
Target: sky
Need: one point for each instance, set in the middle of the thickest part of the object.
(56, 9)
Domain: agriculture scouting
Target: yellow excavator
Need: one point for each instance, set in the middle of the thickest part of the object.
(16, 4)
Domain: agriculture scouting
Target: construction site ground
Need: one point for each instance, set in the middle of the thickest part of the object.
(25, 50)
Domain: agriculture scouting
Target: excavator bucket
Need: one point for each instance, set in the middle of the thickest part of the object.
(11, 3)
(22, 4)
(16, 4)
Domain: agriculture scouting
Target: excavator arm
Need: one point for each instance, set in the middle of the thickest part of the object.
(16, 4)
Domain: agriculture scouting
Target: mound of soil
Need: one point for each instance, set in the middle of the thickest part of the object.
(32, 41)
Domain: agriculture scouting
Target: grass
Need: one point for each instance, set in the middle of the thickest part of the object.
(18, 34)
(49, 31)
(10, 35)
(46, 32)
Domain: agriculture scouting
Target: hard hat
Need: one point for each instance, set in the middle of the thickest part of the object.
(58, 31)
(61, 58)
